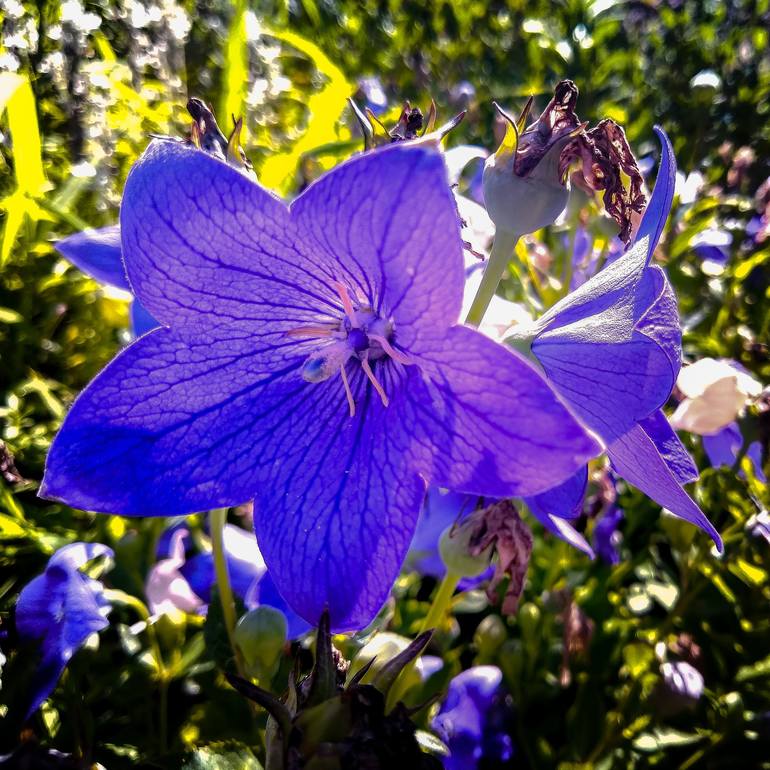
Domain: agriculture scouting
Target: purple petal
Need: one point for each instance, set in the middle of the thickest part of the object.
(96, 253)
(141, 319)
(492, 425)
(564, 530)
(607, 537)
(636, 458)
(610, 385)
(175, 426)
(334, 514)
(671, 449)
(656, 213)
(206, 247)
(389, 219)
(723, 447)
(610, 346)
(610, 294)
(658, 316)
(564, 500)
(77, 555)
(472, 720)
(57, 611)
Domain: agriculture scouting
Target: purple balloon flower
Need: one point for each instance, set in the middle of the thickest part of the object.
(97, 254)
(474, 720)
(309, 358)
(57, 612)
(612, 349)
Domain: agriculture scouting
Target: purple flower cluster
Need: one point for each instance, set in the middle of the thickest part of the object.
(309, 358)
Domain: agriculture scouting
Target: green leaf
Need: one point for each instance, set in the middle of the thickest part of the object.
(236, 70)
(222, 756)
(324, 107)
(18, 100)
(8, 316)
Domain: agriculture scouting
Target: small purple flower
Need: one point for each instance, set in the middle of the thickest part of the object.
(475, 720)
(612, 349)
(607, 536)
(57, 611)
(97, 254)
(724, 447)
(309, 358)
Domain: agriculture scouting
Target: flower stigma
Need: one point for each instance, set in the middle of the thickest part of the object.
(361, 335)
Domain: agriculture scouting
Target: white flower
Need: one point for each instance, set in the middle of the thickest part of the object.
(168, 591)
(715, 393)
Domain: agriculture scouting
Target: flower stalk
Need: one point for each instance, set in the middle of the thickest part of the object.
(502, 250)
(217, 521)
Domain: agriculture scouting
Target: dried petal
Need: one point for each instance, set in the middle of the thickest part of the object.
(607, 163)
(501, 525)
(557, 121)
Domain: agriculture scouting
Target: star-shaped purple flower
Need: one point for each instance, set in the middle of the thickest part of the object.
(310, 358)
(612, 349)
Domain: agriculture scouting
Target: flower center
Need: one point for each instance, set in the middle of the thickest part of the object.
(361, 335)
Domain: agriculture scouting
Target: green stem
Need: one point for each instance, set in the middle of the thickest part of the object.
(440, 605)
(499, 257)
(217, 521)
(438, 611)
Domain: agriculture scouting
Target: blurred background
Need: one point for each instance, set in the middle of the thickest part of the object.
(592, 662)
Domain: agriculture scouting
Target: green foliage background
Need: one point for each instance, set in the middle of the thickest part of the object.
(97, 94)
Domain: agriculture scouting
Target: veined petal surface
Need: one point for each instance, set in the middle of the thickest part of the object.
(389, 219)
(636, 458)
(489, 423)
(334, 515)
(172, 426)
